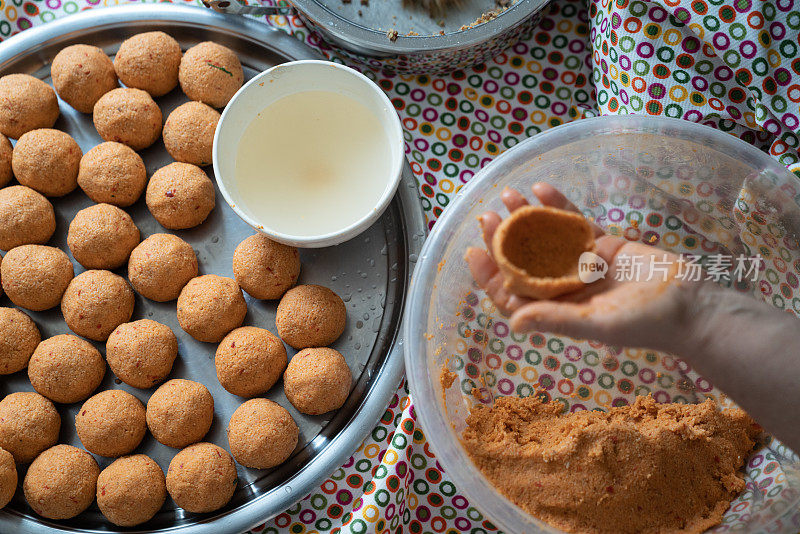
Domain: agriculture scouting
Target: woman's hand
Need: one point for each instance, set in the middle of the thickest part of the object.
(631, 306)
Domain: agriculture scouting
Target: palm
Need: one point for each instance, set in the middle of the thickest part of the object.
(636, 293)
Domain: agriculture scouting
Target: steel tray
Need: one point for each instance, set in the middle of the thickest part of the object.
(371, 273)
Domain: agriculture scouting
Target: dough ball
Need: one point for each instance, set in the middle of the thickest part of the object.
(29, 424)
(27, 103)
(249, 361)
(210, 306)
(95, 303)
(161, 266)
(19, 337)
(131, 490)
(61, 482)
(66, 369)
(141, 353)
(201, 478)
(265, 268)
(149, 61)
(26, 217)
(47, 160)
(310, 316)
(81, 75)
(180, 412)
(6, 173)
(112, 173)
(189, 133)
(317, 380)
(102, 237)
(8, 477)
(210, 73)
(261, 434)
(35, 276)
(128, 116)
(111, 423)
(180, 196)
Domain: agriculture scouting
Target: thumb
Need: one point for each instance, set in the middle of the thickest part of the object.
(571, 319)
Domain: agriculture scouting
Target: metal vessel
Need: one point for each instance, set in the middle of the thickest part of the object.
(371, 273)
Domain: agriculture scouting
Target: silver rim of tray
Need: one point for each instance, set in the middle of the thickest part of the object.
(379, 383)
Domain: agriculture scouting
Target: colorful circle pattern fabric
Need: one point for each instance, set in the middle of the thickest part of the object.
(732, 65)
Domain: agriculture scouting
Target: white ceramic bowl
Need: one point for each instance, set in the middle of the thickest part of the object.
(284, 80)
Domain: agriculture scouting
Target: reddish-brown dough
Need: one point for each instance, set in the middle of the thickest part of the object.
(642, 469)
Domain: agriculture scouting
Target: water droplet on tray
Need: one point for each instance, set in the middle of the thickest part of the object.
(347, 297)
(412, 258)
(359, 324)
(358, 346)
(215, 239)
(333, 278)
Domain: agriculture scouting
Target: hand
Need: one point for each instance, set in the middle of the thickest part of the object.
(639, 312)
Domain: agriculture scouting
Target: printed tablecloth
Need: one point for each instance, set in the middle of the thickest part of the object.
(731, 65)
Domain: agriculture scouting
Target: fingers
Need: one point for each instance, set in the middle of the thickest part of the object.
(607, 247)
(512, 199)
(550, 196)
(564, 318)
(489, 222)
(481, 265)
(486, 274)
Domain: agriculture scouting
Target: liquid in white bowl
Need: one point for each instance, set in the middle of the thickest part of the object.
(313, 162)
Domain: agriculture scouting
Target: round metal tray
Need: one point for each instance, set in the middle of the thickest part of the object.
(371, 273)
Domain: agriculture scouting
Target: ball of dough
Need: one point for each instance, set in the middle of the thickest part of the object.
(131, 490)
(66, 369)
(180, 412)
(111, 423)
(19, 339)
(27, 103)
(201, 478)
(310, 316)
(210, 73)
(96, 302)
(61, 482)
(180, 196)
(149, 61)
(8, 477)
(128, 116)
(261, 434)
(317, 380)
(265, 268)
(26, 217)
(112, 173)
(81, 75)
(5, 161)
(29, 424)
(249, 361)
(47, 160)
(35, 276)
(141, 353)
(102, 237)
(189, 133)
(161, 266)
(210, 306)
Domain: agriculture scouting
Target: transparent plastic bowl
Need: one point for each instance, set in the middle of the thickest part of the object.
(667, 182)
